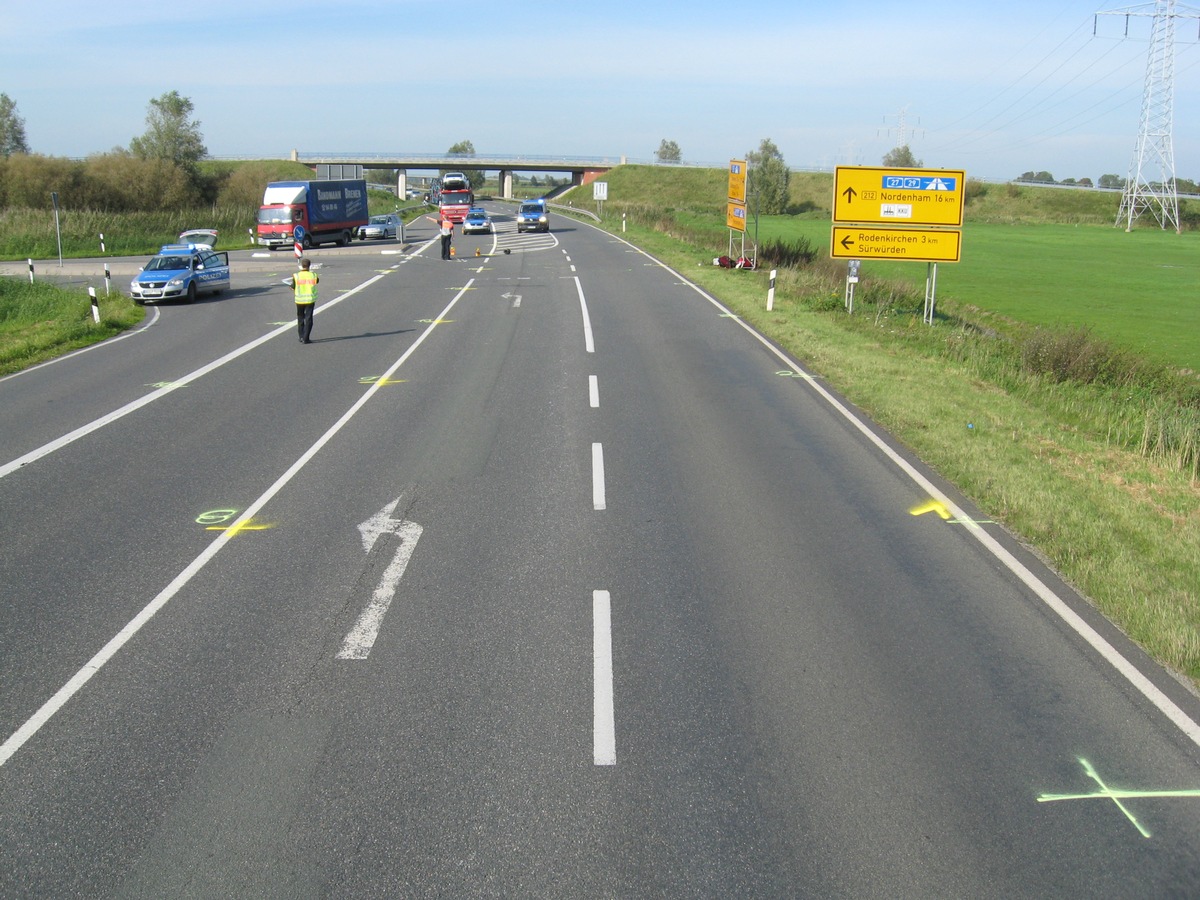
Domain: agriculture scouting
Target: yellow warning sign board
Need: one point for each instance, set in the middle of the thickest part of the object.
(898, 196)
(735, 215)
(737, 180)
(904, 244)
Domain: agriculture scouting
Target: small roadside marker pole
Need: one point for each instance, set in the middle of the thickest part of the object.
(30, 261)
(622, 223)
(771, 291)
(95, 305)
(107, 281)
(102, 242)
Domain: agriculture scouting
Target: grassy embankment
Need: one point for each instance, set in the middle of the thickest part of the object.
(1082, 435)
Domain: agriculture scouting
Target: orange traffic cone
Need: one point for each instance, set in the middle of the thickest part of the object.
(477, 251)
(452, 253)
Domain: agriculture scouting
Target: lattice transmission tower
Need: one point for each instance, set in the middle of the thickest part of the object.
(1151, 183)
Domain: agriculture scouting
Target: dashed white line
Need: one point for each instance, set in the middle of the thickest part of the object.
(593, 391)
(598, 501)
(604, 731)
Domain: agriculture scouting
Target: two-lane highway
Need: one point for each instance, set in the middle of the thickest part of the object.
(536, 573)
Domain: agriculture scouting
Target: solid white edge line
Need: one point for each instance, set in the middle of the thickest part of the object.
(604, 732)
(134, 405)
(593, 392)
(598, 499)
(588, 343)
(107, 342)
(1132, 674)
(80, 678)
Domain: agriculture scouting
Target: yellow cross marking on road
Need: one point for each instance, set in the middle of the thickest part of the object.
(238, 527)
(379, 379)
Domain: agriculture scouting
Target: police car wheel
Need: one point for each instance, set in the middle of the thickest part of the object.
(191, 293)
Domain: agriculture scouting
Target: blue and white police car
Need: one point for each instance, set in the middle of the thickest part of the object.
(181, 271)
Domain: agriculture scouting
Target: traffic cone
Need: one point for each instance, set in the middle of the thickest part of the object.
(452, 253)
(477, 251)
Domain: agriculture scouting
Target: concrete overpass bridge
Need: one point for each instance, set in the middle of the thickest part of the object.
(583, 170)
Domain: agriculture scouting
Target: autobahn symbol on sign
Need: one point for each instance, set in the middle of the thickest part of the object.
(903, 244)
(898, 196)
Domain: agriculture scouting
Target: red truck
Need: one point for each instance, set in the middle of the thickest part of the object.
(324, 211)
(454, 204)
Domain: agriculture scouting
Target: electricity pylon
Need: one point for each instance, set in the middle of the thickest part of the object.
(1155, 153)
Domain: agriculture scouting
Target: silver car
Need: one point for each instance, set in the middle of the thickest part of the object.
(381, 227)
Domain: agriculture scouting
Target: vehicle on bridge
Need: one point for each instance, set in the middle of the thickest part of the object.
(324, 211)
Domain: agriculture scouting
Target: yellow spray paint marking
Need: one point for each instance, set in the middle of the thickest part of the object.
(462, 289)
(434, 321)
(292, 322)
(788, 373)
(215, 516)
(1115, 795)
(165, 384)
(239, 527)
(936, 506)
(379, 379)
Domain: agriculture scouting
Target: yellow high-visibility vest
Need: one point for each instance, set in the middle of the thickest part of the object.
(306, 286)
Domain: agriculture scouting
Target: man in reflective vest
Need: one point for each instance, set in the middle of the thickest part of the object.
(447, 232)
(305, 284)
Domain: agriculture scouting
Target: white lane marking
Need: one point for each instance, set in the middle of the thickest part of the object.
(360, 640)
(109, 650)
(604, 731)
(108, 342)
(1107, 651)
(588, 343)
(133, 406)
(593, 391)
(598, 501)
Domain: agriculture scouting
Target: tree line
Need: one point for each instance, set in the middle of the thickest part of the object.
(160, 168)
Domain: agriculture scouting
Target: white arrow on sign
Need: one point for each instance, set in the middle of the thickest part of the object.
(361, 639)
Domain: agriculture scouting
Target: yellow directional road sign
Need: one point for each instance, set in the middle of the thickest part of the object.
(898, 196)
(905, 244)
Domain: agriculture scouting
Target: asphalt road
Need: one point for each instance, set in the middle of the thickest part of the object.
(536, 574)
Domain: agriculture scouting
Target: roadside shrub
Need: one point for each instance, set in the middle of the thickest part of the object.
(1075, 354)
(779, 253)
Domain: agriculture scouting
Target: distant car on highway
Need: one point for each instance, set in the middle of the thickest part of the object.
(477, 220)
(532, 216)
(181, 271)
(380, 227)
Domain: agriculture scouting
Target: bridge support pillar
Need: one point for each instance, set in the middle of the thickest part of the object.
(506, 182)
(402, 184)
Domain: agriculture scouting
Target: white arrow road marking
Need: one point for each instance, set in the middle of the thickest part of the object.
(361, 639)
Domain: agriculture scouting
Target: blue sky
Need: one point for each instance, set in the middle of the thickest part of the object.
(996, 89)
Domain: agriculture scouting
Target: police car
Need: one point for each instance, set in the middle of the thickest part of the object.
(181, 271)
(531, 216)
